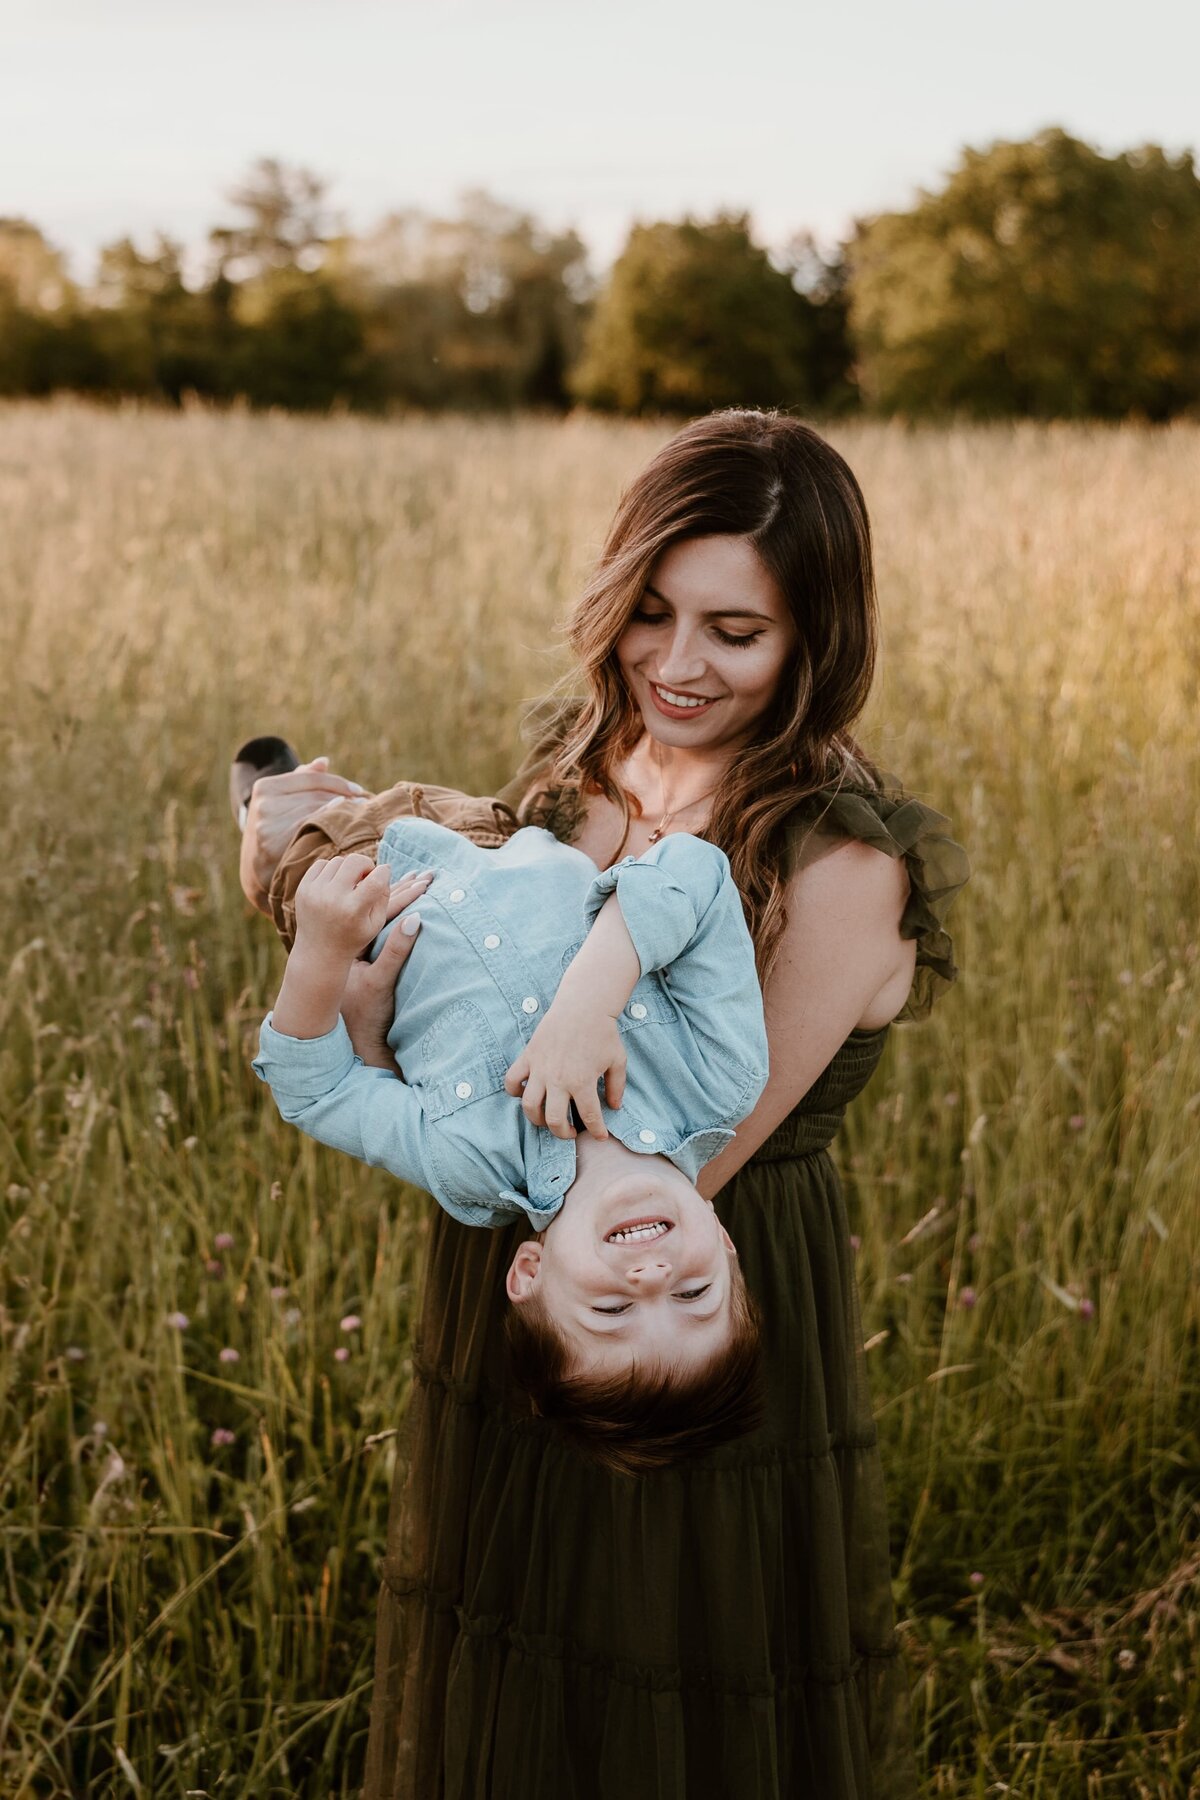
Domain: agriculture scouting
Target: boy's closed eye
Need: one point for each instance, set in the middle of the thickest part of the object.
(686, 1294)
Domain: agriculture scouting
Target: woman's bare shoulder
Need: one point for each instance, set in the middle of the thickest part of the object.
(835, 870)
(844, 909)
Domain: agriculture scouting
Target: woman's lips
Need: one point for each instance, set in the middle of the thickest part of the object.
(678, 712)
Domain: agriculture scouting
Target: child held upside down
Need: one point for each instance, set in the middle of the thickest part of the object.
(534, 980)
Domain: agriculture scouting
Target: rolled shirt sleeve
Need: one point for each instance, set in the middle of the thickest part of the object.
(320, 1085)
(684, 914)
(663, 895)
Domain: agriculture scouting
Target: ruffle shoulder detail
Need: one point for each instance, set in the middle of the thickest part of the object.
(891, 820)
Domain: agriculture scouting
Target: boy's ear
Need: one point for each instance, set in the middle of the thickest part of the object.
(523, 1272)
(728, 1241)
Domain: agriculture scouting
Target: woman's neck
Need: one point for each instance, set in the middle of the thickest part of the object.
(676, 771)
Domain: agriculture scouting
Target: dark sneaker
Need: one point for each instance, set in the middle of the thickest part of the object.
(261, 756)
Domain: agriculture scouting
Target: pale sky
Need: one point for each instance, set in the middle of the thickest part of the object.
(118, 116)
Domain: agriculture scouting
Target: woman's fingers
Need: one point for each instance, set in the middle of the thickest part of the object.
(397, 947)
(405, 891)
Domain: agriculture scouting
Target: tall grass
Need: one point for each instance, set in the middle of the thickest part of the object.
(180, 1614)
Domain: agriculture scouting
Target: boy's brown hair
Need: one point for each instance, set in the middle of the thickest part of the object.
(636, 1421)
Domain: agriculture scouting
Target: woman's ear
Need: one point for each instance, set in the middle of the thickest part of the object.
(728, 1241)
(523, 1272)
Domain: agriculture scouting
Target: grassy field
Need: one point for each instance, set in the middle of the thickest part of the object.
(193, 1437)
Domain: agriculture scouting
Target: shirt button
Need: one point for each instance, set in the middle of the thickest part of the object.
(647, 1137)
(464, 1090)
(456, 894)
(529, 1004)
(491, 941)
(637, 1010)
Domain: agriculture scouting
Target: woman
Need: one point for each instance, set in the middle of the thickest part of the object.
(724, 1628)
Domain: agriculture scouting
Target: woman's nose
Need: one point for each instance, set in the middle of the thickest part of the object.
(682, 661)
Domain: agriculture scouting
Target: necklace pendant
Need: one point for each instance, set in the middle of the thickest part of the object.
(655, 835)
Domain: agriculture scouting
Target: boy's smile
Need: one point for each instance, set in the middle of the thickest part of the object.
(636, 1266)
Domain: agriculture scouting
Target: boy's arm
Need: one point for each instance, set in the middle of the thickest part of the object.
(321, 1086)
(674, 905)
(577, 1041)
(305, 1052)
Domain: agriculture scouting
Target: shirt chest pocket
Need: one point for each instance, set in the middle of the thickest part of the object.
(650, 1001)
(459, 1060)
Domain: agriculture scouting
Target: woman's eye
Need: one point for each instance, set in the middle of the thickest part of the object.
(645, 618)
(694, 1293)
(727, 637)
(613, 1312)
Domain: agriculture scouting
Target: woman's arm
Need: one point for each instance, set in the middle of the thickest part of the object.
(841, 951)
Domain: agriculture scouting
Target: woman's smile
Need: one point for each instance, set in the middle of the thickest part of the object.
(679, 706)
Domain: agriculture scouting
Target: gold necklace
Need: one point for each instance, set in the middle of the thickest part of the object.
(669, 814)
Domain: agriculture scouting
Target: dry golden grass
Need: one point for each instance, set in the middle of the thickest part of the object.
(191, 1616)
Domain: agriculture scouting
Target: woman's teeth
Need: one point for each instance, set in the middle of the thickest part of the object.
(638, 1234)
(679, 699)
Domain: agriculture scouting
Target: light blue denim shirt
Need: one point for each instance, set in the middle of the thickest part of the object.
(498, 927)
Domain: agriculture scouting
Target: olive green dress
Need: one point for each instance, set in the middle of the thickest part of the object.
(719, 1631)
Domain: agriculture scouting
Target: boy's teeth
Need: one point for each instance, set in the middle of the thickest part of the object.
(636, 1233)
(678, 699)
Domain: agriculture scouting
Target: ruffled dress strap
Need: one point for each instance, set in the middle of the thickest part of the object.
(892, 820)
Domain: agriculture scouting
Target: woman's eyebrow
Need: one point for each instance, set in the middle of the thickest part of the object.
(717, 612)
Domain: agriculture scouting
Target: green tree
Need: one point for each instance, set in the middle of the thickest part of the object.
(46, 336)
(286, 223)
(33, 274)
(479, 309)
(694, 316)
(157, 336)
(1045, 278)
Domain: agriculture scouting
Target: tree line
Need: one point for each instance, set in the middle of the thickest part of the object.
(1042, 279)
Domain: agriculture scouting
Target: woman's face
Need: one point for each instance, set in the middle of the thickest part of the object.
(713, 628)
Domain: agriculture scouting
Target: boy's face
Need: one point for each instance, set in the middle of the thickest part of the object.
(636, 1266)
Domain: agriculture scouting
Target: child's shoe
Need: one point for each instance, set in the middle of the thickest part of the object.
(260, 756)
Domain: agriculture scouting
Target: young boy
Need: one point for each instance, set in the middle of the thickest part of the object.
(533, 972)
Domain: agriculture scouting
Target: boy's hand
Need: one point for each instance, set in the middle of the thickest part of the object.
(564, 1059)
(341, 905)
(278, 805)
(344, 902)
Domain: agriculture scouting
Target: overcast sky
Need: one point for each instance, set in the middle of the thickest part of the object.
(118, 116)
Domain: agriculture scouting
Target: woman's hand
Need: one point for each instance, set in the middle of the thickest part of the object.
(278, 804)
(369, 1000)
(575, 1044)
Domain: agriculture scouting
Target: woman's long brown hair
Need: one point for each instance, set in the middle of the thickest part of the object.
(768, 478)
